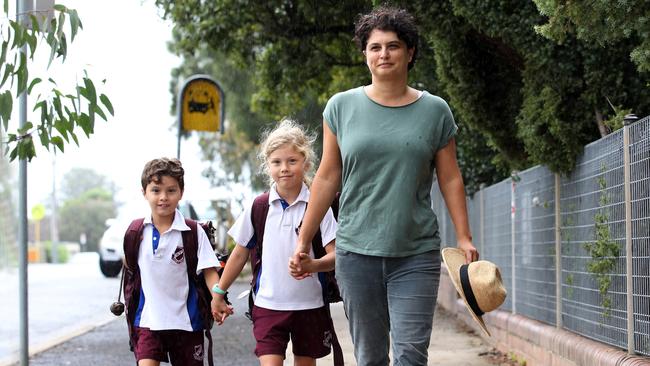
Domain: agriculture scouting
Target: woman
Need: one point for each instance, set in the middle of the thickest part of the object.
(382, 142)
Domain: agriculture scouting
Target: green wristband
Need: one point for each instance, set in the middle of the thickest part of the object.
(216, 289)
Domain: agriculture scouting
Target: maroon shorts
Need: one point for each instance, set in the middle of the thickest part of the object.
(179, 347)
(310, 332)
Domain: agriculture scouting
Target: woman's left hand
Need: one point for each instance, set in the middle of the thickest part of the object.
(300, 269)
(471, 253)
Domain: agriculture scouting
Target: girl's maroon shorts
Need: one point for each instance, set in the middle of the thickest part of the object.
(310, 332)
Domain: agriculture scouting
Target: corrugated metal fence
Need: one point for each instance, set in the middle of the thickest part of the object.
(599, 234)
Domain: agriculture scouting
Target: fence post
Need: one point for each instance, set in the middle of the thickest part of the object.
(513, 261)
(481, 218)
(629, 119)
(558, 255)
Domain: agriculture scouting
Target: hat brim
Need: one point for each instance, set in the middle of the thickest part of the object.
(453, 259)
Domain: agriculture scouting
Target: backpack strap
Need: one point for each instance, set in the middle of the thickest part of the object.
(132, 239)
(336, 346)
(259, 212)
(191, 250)
(131, 275)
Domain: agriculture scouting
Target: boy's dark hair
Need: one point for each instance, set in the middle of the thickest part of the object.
(155, 169)
(388, 18)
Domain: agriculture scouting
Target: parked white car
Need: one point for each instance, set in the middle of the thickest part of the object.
(110, 248)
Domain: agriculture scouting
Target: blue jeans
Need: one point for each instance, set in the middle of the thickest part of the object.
(389, 298)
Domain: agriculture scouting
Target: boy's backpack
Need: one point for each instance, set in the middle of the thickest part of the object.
(331, 293)
(131, 274)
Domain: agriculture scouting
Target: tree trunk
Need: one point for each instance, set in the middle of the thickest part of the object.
(604, 130)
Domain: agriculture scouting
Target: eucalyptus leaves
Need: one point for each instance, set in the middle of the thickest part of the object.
(56, 116)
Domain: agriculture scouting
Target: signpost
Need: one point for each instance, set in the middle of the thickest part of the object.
(201, 107)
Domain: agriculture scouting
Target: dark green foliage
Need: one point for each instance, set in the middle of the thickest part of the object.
(601, 22)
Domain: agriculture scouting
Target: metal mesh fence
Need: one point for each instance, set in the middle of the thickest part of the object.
(640, 190)
(497, 242)
(535, 244)
(592, 239)
(593, 244)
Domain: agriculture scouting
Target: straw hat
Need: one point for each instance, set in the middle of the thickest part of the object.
(478, 283)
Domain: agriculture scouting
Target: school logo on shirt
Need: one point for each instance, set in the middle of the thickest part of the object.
(179, 255)
(198, 352)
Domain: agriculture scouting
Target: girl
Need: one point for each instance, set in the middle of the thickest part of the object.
(284, 308)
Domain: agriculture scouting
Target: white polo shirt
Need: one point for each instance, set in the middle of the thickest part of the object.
(277, 290)
(167, 299)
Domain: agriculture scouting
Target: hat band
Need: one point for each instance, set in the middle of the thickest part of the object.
(467, 290)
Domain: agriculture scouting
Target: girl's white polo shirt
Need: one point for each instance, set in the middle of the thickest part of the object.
(277, 289)
(165, 286)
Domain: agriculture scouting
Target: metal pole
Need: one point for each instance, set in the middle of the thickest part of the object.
(179, 113)
(482, 219)
(21, 8)
(628, 233)
(558, 256)
(513, 261)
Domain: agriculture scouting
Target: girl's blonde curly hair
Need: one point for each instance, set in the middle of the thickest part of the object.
(288, 132)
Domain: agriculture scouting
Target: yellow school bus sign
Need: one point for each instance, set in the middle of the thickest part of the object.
(201, 102)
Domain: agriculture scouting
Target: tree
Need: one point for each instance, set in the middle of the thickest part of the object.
(86, 207)
(78, 181)
(277, 60)
(538, 102)
(61, 114)
(601, 22)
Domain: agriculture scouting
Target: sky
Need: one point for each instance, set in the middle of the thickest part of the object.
(124, 42)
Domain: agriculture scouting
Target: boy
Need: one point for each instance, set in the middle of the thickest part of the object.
(163, 305)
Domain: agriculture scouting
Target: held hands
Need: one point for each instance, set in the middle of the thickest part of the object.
(300, 266)
(297, 262)
(220, 310)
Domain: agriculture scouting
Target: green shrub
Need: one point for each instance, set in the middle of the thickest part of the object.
(62, 252)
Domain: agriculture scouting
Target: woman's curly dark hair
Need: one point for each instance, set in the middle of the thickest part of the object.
(388, 18)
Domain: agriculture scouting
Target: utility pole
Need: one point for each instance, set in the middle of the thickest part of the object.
(22, 7)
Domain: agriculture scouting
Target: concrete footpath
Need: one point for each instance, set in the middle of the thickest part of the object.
(451, 344)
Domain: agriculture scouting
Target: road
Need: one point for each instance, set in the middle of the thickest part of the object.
(64, 299)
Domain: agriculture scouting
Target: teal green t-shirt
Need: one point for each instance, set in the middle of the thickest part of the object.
(388, 163)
